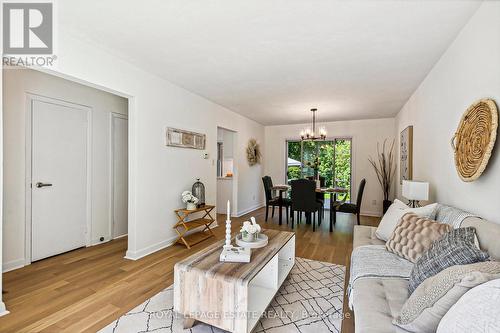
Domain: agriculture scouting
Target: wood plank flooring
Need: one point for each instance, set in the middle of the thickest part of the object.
(86, 289)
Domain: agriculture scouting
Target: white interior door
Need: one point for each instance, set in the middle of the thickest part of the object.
(120, 176)
(59, 178)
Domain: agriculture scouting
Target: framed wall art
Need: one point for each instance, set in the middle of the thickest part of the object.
(185, 139)
(406, 154)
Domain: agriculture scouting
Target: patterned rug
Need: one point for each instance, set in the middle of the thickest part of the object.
(310, 300)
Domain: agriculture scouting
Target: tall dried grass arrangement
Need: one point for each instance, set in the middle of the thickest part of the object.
(385, 167)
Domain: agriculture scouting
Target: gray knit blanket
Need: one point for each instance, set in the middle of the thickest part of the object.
(374, 261)
(451, 215)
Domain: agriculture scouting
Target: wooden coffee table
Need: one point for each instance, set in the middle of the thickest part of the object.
(232, 296)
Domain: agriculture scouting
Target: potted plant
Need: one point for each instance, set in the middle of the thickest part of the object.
(250, 231)
(190, 200)
(385, 168)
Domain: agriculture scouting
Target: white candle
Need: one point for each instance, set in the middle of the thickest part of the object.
(228, 211)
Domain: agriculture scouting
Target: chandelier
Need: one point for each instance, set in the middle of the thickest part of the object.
(309, 134)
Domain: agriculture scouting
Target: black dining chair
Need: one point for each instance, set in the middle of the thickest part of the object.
(304, 200)
(320, 196)
(271, 200)
(353, 208)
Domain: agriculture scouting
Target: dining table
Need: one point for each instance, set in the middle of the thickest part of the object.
(333, 201)
(282, 188)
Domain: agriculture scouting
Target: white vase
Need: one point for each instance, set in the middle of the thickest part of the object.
(191, 206)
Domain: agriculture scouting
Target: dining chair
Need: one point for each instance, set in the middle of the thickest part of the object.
(353, 208)
(271, 200)
(304, 200)
(320, 196)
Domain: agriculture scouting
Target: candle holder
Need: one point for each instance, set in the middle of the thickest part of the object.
(228, 245)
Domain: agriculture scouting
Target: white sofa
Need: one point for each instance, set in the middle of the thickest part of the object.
(376, 301)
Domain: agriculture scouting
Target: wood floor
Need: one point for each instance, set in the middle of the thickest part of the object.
(86, 289)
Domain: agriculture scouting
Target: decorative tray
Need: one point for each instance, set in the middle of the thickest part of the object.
(260, 242)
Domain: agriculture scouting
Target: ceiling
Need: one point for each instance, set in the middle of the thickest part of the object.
(272, 61)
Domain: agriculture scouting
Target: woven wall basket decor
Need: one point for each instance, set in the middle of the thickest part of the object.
(474, 139)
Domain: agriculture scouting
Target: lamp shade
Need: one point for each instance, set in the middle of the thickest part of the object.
(415, 190)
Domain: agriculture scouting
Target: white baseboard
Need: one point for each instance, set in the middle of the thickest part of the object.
(251, 209)
(136, 255)
(97, 241)
(3, 310)
(124, 235)
(371, 213)
(12, 265)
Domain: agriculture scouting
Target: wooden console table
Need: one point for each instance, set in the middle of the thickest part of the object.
(232, 296)
(184, 225)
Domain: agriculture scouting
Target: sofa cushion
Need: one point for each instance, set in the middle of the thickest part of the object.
(365, 235)
(424, 309)
(455, 248)
(394, 214)
(414, 235)
(475, 312)
(377, 302)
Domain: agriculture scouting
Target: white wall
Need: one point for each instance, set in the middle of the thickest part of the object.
(467, 71)
(365, 135)
(17, 84)
(158, 174)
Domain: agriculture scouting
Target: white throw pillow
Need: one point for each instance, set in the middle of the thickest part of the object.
(476, 311)
(432, 299)
(394, 215)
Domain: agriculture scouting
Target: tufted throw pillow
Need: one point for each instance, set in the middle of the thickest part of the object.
(414, 235)
(455, 248)
(424, 309)
(393, 215)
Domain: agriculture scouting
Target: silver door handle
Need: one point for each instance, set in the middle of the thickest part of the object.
(42, 184)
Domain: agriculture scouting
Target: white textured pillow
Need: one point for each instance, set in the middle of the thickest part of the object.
(477, 311)
(394, 215)
(432, 299)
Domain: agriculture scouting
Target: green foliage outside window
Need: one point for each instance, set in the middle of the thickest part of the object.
(334, 158)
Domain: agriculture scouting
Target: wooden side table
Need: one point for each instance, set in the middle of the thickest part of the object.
(184, 225)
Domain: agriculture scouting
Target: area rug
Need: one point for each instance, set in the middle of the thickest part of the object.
(310, 300)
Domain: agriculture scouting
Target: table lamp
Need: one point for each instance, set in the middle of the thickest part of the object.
(415, 191)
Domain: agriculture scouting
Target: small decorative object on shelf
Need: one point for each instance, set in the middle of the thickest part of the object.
(229, 252)
(190, 200)
(199, 192)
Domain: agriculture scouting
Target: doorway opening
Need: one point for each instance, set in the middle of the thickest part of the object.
(226, 170)
(70, 179)
(119, 175)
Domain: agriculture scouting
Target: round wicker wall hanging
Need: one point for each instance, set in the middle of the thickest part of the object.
(474, 140)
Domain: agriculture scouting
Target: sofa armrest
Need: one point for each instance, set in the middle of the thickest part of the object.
(365, 235)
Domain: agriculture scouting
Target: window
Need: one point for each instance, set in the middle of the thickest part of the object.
(335, 157)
